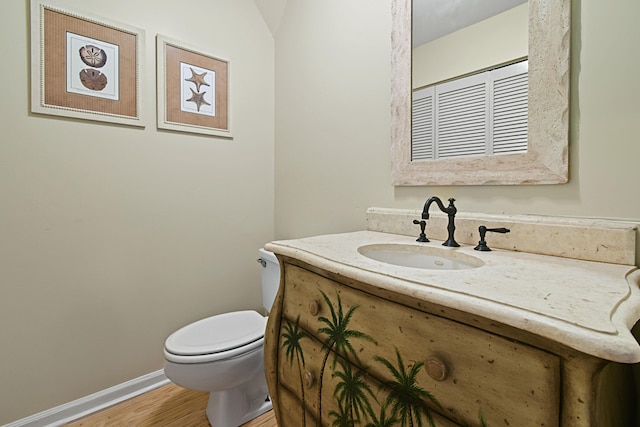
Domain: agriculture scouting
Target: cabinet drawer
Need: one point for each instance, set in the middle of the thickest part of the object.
(348, 393)
(468, 371)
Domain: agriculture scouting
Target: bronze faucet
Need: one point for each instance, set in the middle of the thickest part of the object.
(451, 213)
(482, 244)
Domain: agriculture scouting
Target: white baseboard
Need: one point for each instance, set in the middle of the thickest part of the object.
(95, 402)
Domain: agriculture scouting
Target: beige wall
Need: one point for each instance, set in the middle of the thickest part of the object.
(111, 237)
(332, 115)
(109, 244)
(494, 41)
(332, 127)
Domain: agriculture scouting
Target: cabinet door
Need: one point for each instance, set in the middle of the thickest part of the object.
(466, 373)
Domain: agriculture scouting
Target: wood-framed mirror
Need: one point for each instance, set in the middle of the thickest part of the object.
(546, 159)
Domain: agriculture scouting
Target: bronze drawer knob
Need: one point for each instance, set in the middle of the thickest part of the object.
(436, 369)
(308, 379)
(314, 307)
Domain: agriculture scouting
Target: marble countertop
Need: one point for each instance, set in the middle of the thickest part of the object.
(589, 306)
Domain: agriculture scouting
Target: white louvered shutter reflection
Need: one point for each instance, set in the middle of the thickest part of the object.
(423, 130)
(482, 114)
(510, 108)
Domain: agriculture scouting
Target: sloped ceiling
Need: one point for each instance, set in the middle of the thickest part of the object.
(436, 18)
(431, 18)
(272, 11)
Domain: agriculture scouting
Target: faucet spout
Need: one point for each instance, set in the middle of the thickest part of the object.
(429, 202)
(450, 210)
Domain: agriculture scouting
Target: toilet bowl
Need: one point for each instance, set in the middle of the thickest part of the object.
(224, 355)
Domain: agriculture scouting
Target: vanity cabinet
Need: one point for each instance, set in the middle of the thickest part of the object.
(340, 351)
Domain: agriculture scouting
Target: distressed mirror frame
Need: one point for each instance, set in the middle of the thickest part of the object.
(546, 160)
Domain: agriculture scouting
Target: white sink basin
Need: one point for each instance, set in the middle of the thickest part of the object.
(417, 256)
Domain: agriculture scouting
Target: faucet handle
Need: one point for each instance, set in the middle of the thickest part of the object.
(423, 224)
(482, 244)
(499, 230)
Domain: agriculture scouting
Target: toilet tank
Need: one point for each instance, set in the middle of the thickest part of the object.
(270, 277)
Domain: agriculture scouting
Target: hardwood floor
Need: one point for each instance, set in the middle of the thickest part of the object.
(167, 406)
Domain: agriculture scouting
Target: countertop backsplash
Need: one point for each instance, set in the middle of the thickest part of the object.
(585, 239)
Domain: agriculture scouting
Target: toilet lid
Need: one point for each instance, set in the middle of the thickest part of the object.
(217, 333)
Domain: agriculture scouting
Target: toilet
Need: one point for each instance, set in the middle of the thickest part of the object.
(224, 355)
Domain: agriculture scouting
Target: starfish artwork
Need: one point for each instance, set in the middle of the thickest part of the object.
(198, 98)
(197, 79)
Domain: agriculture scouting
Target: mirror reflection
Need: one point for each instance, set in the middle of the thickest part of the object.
(505, 40)
(479, 49)
(452, 38)
(433, 19)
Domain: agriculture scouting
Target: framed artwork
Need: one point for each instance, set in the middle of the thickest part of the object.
(193, 90)
(84, 67)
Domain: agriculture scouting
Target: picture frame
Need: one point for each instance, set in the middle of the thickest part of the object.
(193, 89)
(85, 67)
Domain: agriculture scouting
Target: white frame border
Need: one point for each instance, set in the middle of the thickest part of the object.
(163, 123)
(38, 104)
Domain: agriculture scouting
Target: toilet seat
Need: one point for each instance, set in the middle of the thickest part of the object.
(217, 337)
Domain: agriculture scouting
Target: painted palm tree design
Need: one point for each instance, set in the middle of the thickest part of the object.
(383, 421)
(483, 422)
(341, 417)
(338, 337)
(292, 336)
(351, 393)
(406, 398)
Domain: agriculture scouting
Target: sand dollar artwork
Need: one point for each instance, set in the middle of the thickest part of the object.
(93, 79)
(93, 56)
